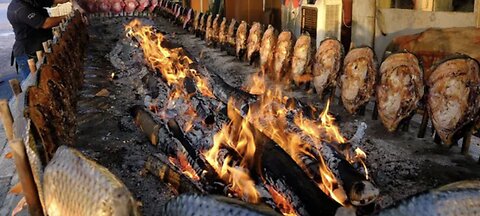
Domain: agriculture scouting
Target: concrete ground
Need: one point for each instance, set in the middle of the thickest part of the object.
(6, 42)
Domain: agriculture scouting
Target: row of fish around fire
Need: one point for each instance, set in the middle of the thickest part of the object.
(453, 99)
(399, 84)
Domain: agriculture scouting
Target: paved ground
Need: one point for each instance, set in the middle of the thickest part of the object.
(6, 41)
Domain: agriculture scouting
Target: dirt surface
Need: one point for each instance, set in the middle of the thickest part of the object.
(106, 132)
(399, 163)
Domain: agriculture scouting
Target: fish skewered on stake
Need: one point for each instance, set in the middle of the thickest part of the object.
(400, 89)
(327, 66)
(453, 99)
(357, 82)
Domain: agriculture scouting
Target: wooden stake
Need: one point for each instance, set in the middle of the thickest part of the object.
(423, 126)
(32, 66)
(25, 176)
(467, 138)
(375, 112)
(7, 119)
(15, 85)
(46, 47)
(40, 56)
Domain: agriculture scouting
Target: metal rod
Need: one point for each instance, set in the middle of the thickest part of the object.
(423, 126)
(467, 138)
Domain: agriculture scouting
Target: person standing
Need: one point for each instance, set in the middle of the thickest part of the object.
(32, 26)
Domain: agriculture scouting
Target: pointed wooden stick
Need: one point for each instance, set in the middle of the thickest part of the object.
(467, 138)
(32, 65)
(423, 126)
(21, 162)
(15, 86)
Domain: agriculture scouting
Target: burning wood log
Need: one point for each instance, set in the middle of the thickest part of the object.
(400, 89)
(254, 42)
(160, 166)
(241, 40)
(358, 78)
(327, 66)
(454, 96)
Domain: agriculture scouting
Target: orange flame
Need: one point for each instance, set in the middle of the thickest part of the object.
(238, 136)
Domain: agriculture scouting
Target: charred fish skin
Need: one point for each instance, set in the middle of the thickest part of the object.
(327, 65)
(266, 49)
(254, 41)
(453, 99)
(282, 53)
(357, 82)
(301, 58)
(452, 200)
(400, 88)
(203, 205)
(70, 177)
(241, 40)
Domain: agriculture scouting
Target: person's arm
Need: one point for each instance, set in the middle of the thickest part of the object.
(52, 22)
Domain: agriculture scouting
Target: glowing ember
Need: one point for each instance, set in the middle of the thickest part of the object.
(281, 202)
(182, 162)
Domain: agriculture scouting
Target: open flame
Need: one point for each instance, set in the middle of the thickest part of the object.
(233, 151)
(238, 138)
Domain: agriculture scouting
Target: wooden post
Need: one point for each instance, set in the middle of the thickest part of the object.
(32, 66)
(21, 162)
(477, 12)
(363, 23)
(15, 85)
(7, 119)
(40, 56)
(46, 47)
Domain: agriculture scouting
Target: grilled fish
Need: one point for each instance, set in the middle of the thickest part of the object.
(301, 59)
(231, 32)
(222, 32)
(214, 32)
(208, 28)
(241, 40)
(196, 205)
(453, 100)
(76, 185)
(327, 65)
(400, 88)
(281, 55)
(266, 50)
(201, 25)
(196, 21)
(456, 199)
(358, 78)
(254, 40)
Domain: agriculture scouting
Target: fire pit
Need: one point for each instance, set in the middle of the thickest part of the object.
(214, 125)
